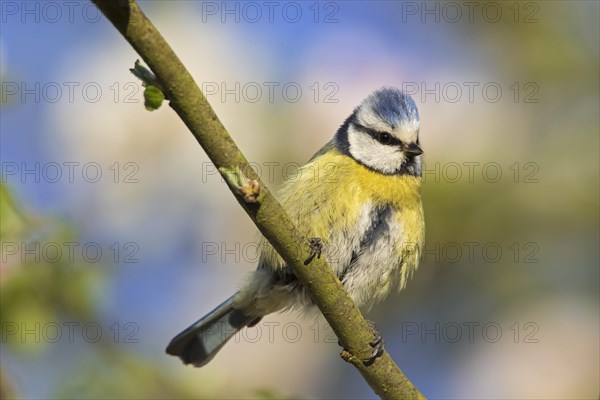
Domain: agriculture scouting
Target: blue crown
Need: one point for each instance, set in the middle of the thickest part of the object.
(392, 106)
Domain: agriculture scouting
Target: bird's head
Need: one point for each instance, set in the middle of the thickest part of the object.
(383, 133)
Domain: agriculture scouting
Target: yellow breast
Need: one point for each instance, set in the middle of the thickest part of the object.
(328, 197)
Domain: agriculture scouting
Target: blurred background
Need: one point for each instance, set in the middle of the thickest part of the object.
(117, 232)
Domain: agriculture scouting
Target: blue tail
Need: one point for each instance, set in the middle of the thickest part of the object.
(199, 343)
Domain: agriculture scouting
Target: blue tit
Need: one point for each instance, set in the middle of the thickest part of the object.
(361, 195)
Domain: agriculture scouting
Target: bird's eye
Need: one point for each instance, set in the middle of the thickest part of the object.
(384, 138)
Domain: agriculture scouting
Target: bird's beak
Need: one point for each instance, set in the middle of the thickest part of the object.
(413, 149)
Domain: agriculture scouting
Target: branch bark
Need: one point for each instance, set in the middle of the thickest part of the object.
(384, 376)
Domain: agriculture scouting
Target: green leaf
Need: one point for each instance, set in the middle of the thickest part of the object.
(153, 98)
(153, 95)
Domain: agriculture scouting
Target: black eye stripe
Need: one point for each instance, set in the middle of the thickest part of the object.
(382, 137)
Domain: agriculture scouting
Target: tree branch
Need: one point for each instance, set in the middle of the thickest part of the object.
(384, 376)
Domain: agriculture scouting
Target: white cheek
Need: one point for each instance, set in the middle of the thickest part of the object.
(373, 154)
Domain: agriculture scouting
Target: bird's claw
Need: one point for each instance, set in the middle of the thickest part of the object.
(316, 247)
(377, 344)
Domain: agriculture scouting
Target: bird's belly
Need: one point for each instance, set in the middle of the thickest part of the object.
(368, 258)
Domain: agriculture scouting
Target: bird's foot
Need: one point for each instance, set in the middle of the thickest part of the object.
(316, 247)
(377, 344)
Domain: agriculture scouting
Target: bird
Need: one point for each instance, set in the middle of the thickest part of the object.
(358, 199)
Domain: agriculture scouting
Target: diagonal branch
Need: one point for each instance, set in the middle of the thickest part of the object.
(384, 376)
